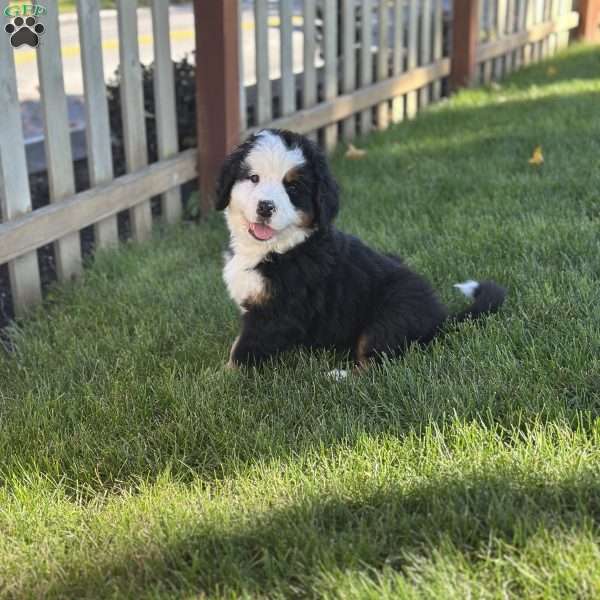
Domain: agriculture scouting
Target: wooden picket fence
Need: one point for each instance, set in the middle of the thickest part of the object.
(376, 64)
(366, 64)
(518, 32)
(23, 230)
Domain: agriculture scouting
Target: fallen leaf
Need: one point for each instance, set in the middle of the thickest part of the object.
(537, 158)
(551, 71)
(354, 153)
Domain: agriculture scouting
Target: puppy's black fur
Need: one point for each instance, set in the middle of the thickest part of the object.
(333, 291)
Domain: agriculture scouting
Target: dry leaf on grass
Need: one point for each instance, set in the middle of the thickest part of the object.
(354, 153)
(537, 158)
(551, 71)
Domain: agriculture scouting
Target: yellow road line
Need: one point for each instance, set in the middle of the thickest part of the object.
(25, 56)
(74, 49)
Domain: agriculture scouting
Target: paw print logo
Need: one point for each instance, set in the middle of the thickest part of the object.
(24, 31)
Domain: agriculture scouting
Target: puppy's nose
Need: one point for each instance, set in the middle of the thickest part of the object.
(265, 208)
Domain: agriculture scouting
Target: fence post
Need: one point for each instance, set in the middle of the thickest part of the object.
(465, 36)
(589, 20)
(217, 90)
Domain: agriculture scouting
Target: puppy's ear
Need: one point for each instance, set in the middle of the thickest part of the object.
(230, 172)
(326, 194)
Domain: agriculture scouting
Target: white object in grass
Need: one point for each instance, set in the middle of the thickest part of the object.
(338, 374)
(468, 288)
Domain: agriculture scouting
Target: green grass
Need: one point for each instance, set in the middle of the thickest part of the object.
(133, 464)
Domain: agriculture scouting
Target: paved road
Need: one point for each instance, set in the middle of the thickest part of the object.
(182, 39)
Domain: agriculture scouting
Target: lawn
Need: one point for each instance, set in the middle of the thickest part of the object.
(134, 464)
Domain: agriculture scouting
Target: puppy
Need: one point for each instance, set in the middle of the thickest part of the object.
(298, 281)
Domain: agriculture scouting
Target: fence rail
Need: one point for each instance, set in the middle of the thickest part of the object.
(364, 64)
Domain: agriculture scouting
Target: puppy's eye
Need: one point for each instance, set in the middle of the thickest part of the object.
(254, 178)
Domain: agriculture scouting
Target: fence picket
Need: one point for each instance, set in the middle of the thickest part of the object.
(486, 22)
(57, 140)
(510, 29)
(538, 18)
(349, 61)
(520, 27)
(554, 13)
(288, 88)
(97, 126)
(263, 82)
(498, 68)
(413, 22)
(545, 43)
(134, 114)
(15, 198)
(164, 100)
(383, 108)
(366, 61)
(566, 6)
(438, 19)
(309, 80)
(527, 22)
(331, 74)
(425, 47)
(398, 61)
(243, 99)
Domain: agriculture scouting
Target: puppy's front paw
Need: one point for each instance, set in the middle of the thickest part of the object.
(231, 365)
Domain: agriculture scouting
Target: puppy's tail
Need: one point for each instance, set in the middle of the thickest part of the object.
(487, 298)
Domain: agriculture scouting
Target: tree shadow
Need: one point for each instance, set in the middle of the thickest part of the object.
(286, 551)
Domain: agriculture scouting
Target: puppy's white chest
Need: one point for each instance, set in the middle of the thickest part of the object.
(244, 283)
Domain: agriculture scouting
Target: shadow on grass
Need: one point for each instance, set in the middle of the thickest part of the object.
(284, 551)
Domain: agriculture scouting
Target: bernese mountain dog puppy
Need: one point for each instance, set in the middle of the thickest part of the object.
(299, 282)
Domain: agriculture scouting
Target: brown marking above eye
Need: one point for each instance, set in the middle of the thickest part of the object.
(292, 175)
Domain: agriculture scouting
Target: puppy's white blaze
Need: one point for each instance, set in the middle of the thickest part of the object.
(271, 158)
(468, 288)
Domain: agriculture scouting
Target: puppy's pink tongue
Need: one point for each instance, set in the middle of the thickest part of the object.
(261, 231)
